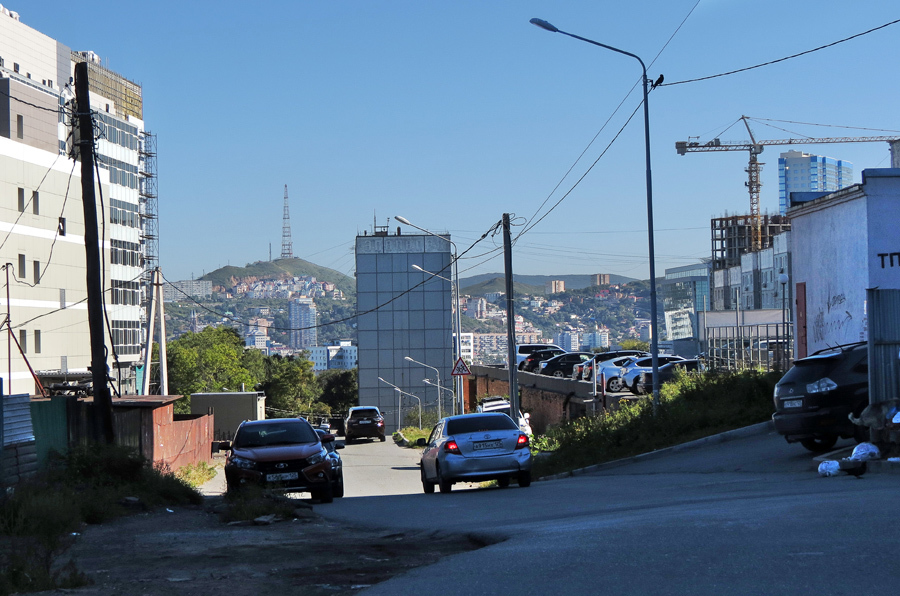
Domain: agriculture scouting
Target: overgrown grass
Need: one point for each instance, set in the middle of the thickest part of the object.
(691, 406)
(90, 485)
(196, 474)
(413, 433)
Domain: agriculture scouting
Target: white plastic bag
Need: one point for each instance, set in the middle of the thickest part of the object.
(865, 452)
(829, 468)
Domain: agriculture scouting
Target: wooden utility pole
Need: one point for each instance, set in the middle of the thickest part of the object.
(93, 254)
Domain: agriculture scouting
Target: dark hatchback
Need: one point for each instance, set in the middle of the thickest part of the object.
(814, 398)
(364, 421)
(561, 366)
(282, 454)
(533, 361)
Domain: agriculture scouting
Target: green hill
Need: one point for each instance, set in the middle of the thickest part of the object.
(573, 282)
(497, 284)
(226, 277)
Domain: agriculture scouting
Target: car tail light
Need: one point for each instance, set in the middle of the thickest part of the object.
(821, 386)
(379, 423)
(452, 447)
(522, 441)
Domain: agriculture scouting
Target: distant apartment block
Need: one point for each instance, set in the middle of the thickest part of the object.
(343, 356)
(805, 172)
(189, 288)
(555, 286)
(476, 308)
(467, 347)
(302, 317)
(600, 279)
(596, 339)
(569, 341)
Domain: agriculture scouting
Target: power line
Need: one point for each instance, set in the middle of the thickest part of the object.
(828, 45)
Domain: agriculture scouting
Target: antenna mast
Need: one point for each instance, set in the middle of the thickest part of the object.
(287, 251)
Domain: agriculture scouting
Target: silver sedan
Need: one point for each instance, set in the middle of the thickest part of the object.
(475, 448)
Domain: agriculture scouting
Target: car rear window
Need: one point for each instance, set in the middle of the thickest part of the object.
(275, 433)
(809, 370)
(480, 423)
(367, 413)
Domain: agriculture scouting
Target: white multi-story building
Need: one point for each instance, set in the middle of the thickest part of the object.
(302, 317)
(342, 356)
(805, 172)
(41, 210)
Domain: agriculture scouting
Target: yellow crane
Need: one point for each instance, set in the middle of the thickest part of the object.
(755, 147)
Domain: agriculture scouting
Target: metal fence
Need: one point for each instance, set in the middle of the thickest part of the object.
(768, 347)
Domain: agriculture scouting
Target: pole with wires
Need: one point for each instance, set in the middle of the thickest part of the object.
(99, 373)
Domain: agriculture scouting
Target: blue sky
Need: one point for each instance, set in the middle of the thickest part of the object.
(453, 113)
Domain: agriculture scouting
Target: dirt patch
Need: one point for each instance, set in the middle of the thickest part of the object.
(188, 550)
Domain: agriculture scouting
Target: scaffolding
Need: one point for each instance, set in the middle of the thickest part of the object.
(127, 95)
(733, 236)
(147, 194)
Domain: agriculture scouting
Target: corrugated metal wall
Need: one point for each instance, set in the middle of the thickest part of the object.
(51, 433)
(19, 453)
(883, 310)
(884, 344)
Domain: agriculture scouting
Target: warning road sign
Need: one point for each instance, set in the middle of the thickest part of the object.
(460, 369)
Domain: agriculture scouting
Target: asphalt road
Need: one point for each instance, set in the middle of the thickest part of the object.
(749, 516)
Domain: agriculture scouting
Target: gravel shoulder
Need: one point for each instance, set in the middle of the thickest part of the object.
(188, 550)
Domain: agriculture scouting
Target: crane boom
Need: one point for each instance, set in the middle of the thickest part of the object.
(754, 148)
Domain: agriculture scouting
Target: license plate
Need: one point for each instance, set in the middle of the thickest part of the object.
(281, 476)
(793, 403)
(487, 445)
(365, 422)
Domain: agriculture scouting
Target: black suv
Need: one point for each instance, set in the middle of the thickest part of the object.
(364, 421)
(814, 398)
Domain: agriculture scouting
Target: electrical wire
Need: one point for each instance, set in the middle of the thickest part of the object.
(792, 56)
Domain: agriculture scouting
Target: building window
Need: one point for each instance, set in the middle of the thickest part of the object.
(61, 228)
(20, 126)
(21, 266)
(37, 342)
(62, 298)
(34, 203)
(37, 272)
(23, 340)
(21, 200)
(15, 67)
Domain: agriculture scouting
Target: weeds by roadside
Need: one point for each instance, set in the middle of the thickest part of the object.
(196, 474)
(91, 485)
(692, 406)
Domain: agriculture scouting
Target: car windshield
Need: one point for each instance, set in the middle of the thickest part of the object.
(276, 433)
(479, 423)
(366, 413)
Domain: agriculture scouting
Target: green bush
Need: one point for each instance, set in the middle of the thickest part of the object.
(691, 406)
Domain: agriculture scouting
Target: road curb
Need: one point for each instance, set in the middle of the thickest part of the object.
(738, 433)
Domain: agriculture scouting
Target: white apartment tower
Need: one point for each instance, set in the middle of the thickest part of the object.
(41, 216)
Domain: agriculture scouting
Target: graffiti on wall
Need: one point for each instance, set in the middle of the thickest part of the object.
(831, 323)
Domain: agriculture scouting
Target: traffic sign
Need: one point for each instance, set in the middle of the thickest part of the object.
(460, 369)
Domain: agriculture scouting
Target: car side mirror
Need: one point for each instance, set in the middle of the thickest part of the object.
(224, 445)
(421, 442)
(339, 445)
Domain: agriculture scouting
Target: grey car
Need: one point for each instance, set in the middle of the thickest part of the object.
(475, 448)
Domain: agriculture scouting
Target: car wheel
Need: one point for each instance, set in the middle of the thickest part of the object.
(445, 485)
(522, 366)
(427, 486)
(382, 438)
(503, 482)
(338, 487)
(820, 444)
(558, 374)
(524, 479)
(614, 385)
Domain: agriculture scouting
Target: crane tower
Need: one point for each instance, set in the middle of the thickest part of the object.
(754, 167)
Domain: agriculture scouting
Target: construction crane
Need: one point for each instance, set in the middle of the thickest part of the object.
(755, 147)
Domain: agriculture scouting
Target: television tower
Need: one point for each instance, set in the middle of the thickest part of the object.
(286, 251)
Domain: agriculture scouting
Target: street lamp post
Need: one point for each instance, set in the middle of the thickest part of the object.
(438, 373)
(654, 343)
(400, 394)
(458, 404)
(450, 391)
